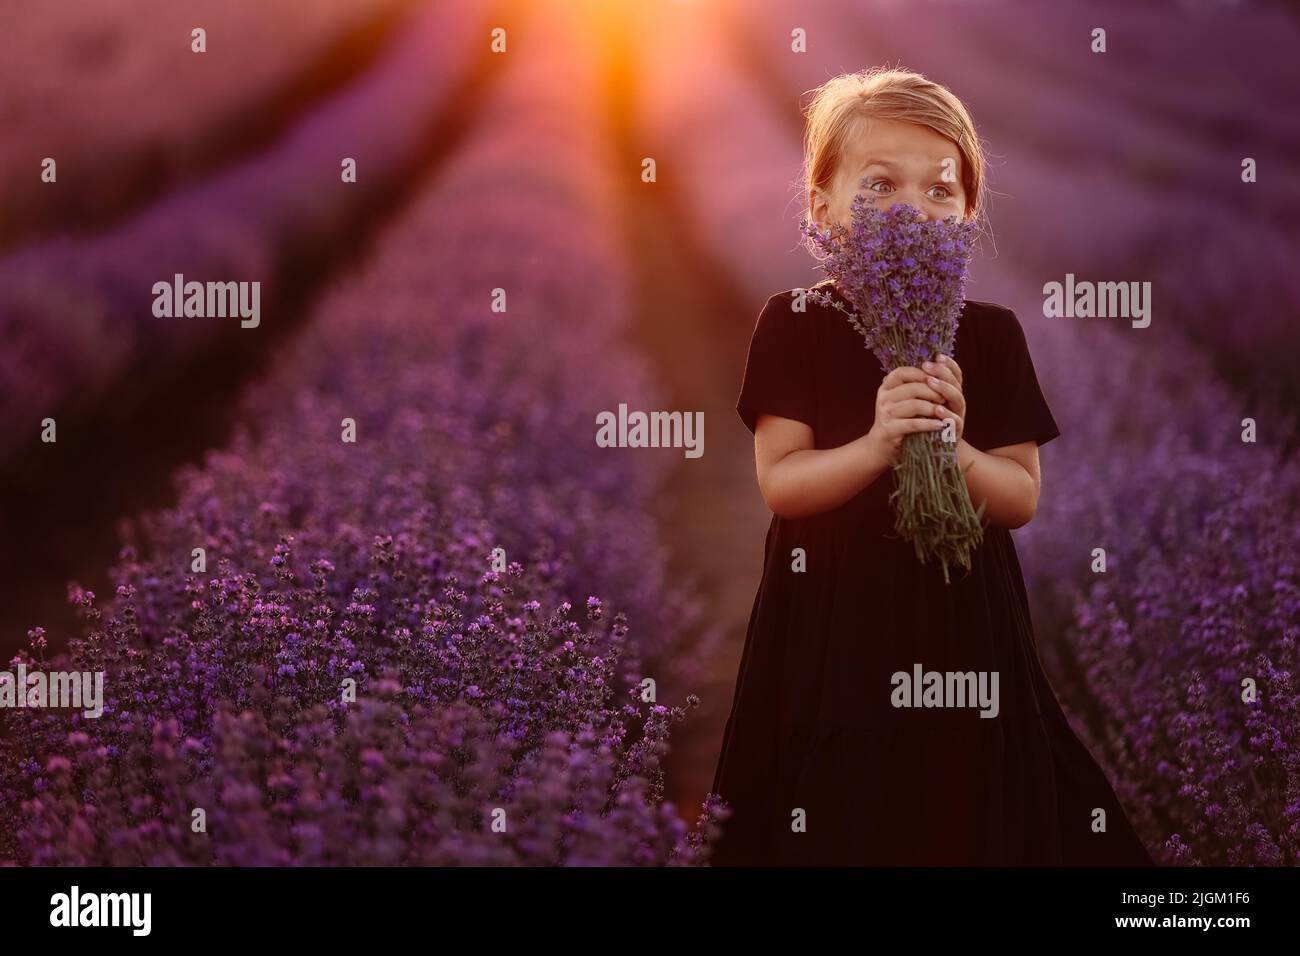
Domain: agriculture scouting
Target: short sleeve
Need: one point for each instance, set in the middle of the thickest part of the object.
(1007, 406)
(778, 370)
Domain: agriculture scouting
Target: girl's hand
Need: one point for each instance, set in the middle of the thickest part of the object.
(905, 403)
(944, 377)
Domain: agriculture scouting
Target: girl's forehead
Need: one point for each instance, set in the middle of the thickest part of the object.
(900, 143)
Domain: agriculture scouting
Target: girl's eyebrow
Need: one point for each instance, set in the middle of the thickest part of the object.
(894, 166)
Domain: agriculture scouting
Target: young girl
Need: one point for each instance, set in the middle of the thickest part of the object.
(831, 755)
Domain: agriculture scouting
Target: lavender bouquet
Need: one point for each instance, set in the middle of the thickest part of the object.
(905, 278)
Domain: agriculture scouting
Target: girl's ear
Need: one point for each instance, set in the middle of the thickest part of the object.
(817, 209)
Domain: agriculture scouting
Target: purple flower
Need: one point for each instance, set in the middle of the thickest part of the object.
(905, 279)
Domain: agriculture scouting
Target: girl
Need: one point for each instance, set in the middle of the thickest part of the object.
(832, 754)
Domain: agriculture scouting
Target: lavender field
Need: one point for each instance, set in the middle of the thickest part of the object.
(390, 480)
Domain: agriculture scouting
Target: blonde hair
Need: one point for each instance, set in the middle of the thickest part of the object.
(841, 103)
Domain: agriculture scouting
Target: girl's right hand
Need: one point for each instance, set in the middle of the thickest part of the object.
(905, 403)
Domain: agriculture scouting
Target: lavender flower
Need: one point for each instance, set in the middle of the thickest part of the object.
(906, 278)
(479, 691)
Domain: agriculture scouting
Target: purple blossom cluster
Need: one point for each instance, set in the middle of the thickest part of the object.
(1188, 662)
(904, 275)
(1199, 593)
(436, 562)
(905, 278)
(488, 726)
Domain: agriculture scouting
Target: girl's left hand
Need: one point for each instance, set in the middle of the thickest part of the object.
(946, 379)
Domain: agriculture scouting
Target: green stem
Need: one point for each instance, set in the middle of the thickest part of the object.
(932, 504)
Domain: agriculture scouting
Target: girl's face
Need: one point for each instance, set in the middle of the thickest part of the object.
(903, 163)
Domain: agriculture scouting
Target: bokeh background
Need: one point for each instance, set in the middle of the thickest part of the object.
(522, 170)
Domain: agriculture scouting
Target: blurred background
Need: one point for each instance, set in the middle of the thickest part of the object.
(522, 168)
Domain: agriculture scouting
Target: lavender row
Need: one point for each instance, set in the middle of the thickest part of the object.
(1225, 72)
(1040, 87)
(1199, 591)
(120, 99)
(468, 562)
(78, 315)
(1222, 282)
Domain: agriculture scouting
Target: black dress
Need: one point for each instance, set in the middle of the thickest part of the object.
(814, 742)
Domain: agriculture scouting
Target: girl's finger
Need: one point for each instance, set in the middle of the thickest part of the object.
(914, 390)
(952, 396)
(904, 373)
(918, 424)
(942, 371)
(948, 361)
(943, 414)
(914, 408)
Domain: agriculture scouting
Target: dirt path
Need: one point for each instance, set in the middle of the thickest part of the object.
(695, 324)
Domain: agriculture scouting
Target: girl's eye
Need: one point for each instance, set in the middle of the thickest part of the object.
(880, 182)
(944, 192)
